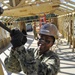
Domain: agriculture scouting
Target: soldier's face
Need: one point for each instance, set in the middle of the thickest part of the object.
(45, 42)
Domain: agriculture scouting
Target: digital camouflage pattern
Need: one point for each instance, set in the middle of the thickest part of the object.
(25, 60)
(20, 59)
(49, 64)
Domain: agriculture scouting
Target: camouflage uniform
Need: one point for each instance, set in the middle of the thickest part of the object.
(20, 59)
(49, 64)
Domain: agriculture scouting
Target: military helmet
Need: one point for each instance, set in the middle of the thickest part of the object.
(49, 29)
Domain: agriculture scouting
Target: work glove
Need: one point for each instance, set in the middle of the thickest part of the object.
(16, 38)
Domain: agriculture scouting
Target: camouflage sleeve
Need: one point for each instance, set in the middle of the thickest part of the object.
(26, 59)
(12, 64)
(21, 59)
(49, 66)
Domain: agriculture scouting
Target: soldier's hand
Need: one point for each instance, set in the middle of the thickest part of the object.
(16, 37)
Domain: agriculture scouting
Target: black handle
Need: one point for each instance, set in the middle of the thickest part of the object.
(4, 27)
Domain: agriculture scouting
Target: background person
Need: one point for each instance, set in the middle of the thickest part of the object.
(35, 31)
(52, 21)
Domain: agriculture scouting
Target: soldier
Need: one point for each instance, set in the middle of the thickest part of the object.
(49, 61)
(40, 61)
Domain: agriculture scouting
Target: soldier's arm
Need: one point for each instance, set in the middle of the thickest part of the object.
(11, 63)
(26, 59)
